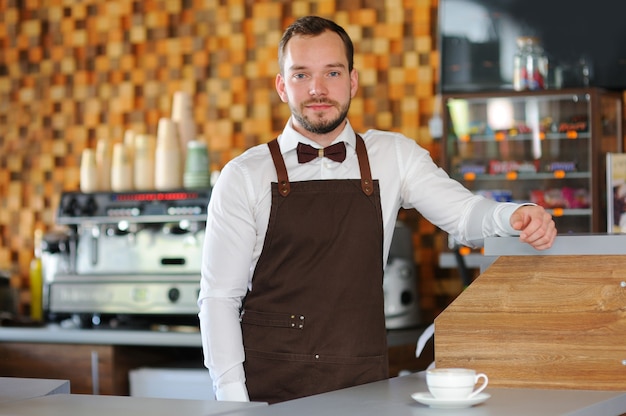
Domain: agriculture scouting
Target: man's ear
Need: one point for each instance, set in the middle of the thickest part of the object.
(354, 82)
(280, 87)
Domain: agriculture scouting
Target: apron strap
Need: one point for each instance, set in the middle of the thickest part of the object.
(281, 171)
(283, 179)
(364, 166)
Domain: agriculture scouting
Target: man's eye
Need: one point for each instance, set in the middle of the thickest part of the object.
(299, 76)
(334, 74)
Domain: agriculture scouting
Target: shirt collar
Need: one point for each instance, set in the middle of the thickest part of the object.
(290, 138)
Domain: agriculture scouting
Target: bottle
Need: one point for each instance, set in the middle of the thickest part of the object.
(36, 279)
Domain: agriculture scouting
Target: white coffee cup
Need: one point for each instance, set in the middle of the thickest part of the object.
(454, 383)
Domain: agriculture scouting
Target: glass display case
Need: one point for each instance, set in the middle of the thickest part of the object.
(548, 147)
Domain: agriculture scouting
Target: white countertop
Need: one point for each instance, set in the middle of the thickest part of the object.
(15, 388)
(393, 397)
(83, 405)
(387, 397)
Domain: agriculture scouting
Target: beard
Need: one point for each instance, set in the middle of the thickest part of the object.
(320, 126)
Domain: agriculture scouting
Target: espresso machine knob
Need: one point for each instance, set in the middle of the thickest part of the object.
(91, 207)
(173, 295)
(70, 207)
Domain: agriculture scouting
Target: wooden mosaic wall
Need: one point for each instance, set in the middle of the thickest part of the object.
(74, 71)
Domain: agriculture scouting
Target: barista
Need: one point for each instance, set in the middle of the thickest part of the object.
(299, 230)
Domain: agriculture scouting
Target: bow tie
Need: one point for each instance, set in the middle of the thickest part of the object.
(336, 152)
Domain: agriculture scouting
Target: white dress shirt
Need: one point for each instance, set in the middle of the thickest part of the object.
(238, 215)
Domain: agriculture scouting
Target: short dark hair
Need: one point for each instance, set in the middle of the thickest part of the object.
(312, 26)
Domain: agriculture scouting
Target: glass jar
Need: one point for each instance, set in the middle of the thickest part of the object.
(519, 65)
(530, 65)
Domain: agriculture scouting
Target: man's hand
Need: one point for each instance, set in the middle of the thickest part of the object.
(536, 226)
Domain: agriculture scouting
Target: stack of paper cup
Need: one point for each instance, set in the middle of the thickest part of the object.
(129, 143)
(104, 154)
(182, 115)
(197, 166)
(88, 171)
(143, 175)
(121, 173)
(167, 163)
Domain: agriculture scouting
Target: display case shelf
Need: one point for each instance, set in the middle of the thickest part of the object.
(522, 176)
(527, 137)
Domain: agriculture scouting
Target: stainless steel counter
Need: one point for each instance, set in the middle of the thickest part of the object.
(472, 261)
(567, 244)
(55, 334)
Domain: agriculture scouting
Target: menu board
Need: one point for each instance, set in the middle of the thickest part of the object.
(616, 192)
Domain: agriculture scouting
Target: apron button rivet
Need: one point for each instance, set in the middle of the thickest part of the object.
(301, 318)
(317, 356)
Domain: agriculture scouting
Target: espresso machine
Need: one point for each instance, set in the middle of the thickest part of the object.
(402, 307)
(125, 260)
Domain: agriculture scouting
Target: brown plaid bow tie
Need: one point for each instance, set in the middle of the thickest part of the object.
(336, 152)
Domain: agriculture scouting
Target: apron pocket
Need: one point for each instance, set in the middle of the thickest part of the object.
(270, 331)
(273, 319)
(274, 377)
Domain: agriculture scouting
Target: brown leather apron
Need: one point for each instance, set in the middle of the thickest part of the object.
(314, 319)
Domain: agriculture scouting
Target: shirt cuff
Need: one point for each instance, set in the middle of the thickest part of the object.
(232, 392)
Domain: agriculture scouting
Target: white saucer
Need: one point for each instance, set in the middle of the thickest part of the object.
(428, 399)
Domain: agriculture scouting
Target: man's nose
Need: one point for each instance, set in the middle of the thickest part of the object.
(317, 87)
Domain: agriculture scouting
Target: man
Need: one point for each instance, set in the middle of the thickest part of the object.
(291, 300)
